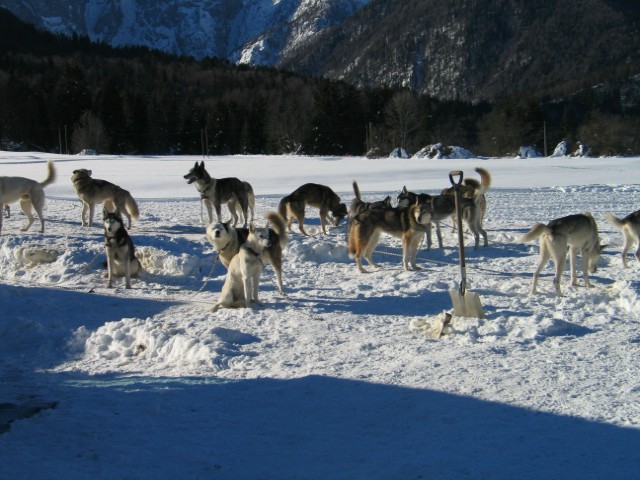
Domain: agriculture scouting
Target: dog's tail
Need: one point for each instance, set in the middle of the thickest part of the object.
(536, 231)
(615, 221)
(131, 206)
(51, 175)
(282, 207)
(279, 226)
(485, 179)
(356, 190)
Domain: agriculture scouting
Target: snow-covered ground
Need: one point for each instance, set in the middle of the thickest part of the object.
(337, 379)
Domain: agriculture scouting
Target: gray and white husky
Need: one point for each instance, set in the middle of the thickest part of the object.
(119, 249)
(240, 289)
(227, 241)
(238, 195)
(29, 193)
(630, 226)
(93, 190)
(580, 233)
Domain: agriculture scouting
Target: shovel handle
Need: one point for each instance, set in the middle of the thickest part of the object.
(455, 173)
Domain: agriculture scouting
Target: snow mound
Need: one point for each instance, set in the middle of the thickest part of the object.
(157, 261)
(438, 150)
(134, 344)
(528, 152)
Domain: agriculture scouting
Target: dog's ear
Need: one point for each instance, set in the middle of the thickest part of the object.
(202, 164)
(404, 189)
(89, 172)
(105, 213)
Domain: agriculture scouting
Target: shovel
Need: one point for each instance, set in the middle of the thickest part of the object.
(465, 304)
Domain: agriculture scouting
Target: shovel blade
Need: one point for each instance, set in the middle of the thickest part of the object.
(467, 304)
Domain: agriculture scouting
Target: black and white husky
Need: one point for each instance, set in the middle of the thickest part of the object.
(216, 191)
(119, 249)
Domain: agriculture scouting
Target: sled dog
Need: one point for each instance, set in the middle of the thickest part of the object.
(92, 191)
(578, 232)
(238, 195)
(227, 241)
(119, 249)
(471, 188)
(630, 226)
(29, 192)
(315, 195)
(240, 288)
(409, 224)
(358, 205)
(444, 206)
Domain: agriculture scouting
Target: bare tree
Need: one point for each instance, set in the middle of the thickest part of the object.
(402, 117)
(89, 134)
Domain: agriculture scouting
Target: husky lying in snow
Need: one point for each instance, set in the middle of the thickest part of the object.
(579, 232)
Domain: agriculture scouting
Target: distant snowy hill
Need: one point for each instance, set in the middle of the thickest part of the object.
(485, 50)
(249, 31)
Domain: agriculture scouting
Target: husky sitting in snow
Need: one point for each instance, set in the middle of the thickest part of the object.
(240, 288)
(118, 246)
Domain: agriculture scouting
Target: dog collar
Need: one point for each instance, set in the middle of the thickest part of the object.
(257, 254)
(204, 190)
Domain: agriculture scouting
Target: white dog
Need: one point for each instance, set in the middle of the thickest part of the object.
(30, 194)
(579, 232)
(240, 288)
(630, 226)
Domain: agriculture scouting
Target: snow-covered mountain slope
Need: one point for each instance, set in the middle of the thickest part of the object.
(250, 31)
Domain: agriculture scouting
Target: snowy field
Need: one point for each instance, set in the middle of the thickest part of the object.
(337, 379)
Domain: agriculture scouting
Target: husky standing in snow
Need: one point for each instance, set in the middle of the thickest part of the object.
(238, 195)
(578, 232)
(30, 194)
(92, 191)
(630, 226)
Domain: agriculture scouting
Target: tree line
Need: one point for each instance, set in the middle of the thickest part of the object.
(60, 94)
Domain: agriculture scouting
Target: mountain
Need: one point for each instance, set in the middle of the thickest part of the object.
(477, 49)
(247, 31)
(471, 50)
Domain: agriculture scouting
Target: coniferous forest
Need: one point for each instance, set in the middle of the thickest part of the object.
(60, 94)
